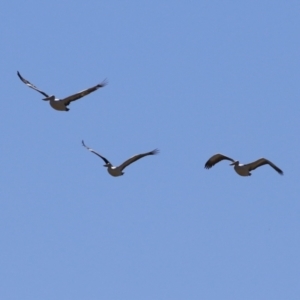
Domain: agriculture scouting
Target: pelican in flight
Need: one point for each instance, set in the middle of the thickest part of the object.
(117, 171)
(61, 104)
(243, 170)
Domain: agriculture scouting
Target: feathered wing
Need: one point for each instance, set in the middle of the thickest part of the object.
(262, 161)
(83, 93)
(135, 158)
(215, 159)
(93, 151)
(31, 85)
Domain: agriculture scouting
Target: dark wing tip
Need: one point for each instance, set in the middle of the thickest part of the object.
(20, 76)
(215, 159)
(272, 165)
(279, 171)
(83, 144)
(154, 152)
(208, 165)
(103, 83)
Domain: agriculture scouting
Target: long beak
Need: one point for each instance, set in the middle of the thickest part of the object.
(232, 163)
(48, 98)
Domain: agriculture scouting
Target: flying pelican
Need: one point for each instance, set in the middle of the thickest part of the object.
(117, 171)
(243, 170)
(61, 104)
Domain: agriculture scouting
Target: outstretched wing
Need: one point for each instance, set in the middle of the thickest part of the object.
(215, 159)
(136, 157)
(31, 85)
(83, 93)
(262, 161)
(105, 160)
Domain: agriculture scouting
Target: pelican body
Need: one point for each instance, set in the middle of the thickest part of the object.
(242, 170)
(118, 170)
(62, 104)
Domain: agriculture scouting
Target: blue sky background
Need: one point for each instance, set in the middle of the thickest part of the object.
(192, 78)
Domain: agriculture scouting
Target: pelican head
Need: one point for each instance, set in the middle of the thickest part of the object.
(235, 163)
(52, 97)
(107, 165)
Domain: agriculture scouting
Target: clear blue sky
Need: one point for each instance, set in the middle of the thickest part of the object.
(192, 78)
